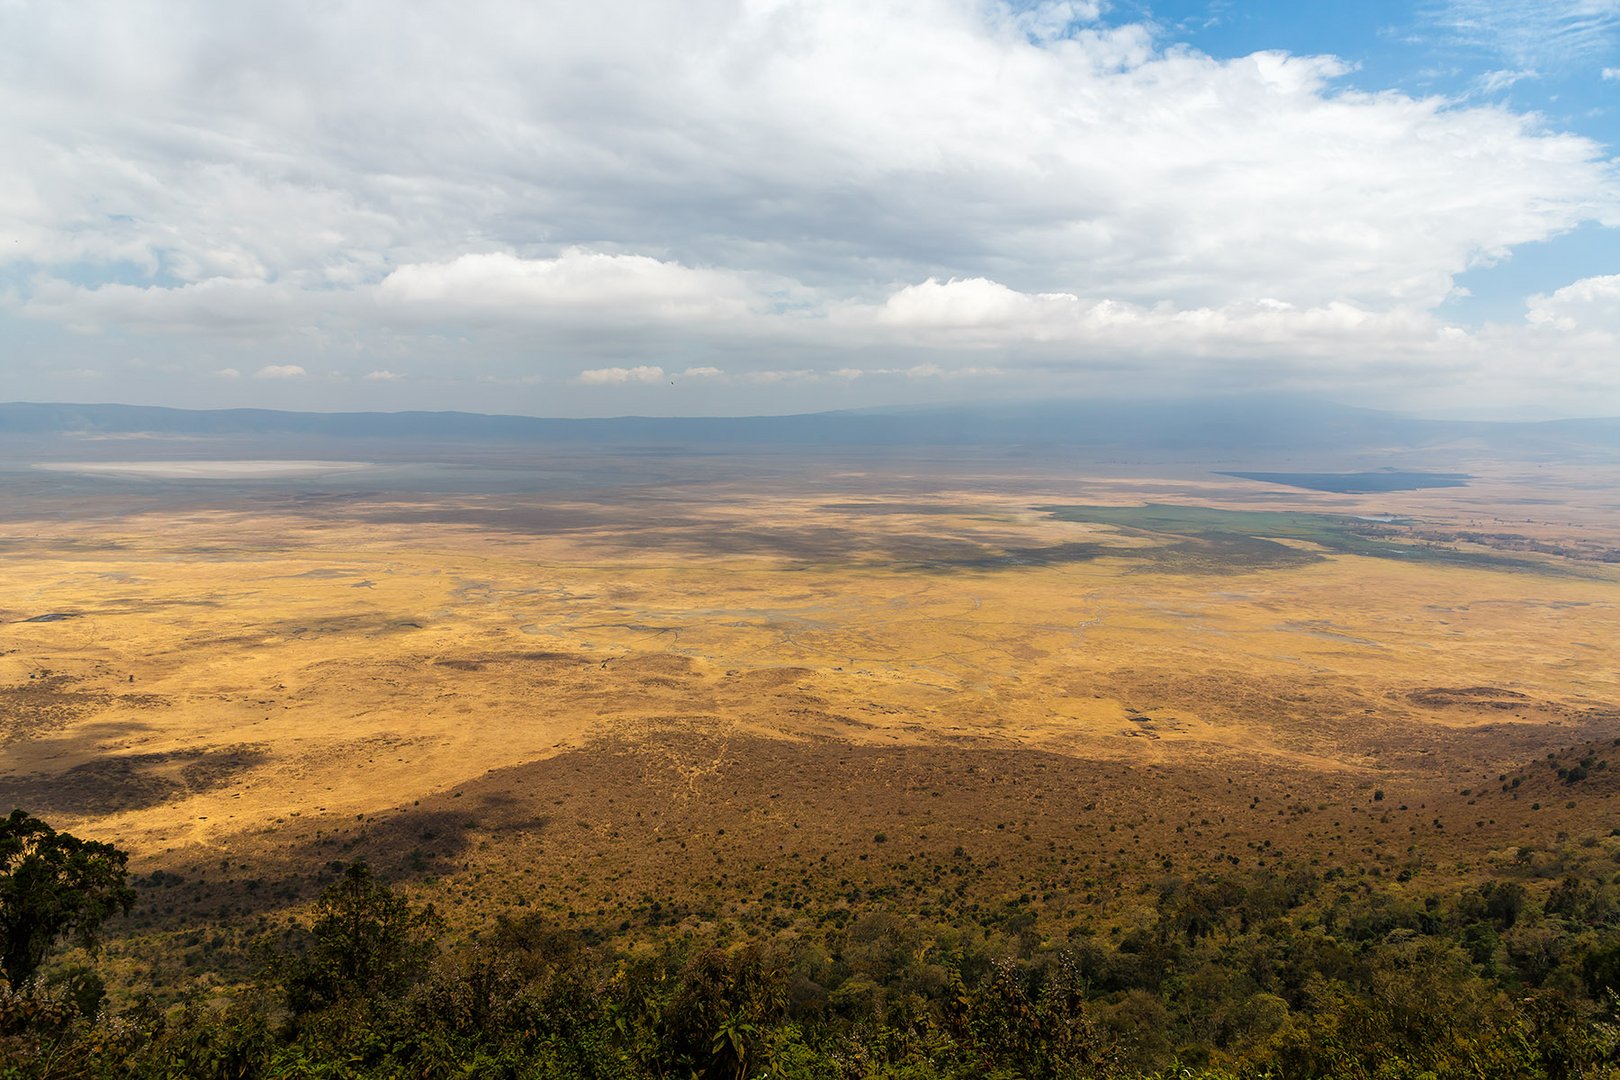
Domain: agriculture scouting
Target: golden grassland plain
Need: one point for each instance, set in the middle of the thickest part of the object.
(644, 709)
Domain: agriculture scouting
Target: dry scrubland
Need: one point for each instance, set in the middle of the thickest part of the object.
(760, 703)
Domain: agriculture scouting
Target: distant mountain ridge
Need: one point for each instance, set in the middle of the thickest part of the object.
(1211, 424)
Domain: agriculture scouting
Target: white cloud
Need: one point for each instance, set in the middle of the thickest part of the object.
(577, 282)
(1335, 343)
(1492, 81)
(227, 373)
(522, 190)
(1528, 31)
(612, 376)
(1050, 20)
(1590, 305)
(280, 371)
(243, 308)
(924, 371)
(974, 304)
(1611, 74)
(382, 375)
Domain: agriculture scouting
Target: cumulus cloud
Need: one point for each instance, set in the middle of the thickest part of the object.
(227, 373)
(757, 188)
(280, 371)
(1590, 305)
(974, 304)
(382, 375)
(979, 314)
(924, 371)
(770, 376)
(578, 282)
(611, 376)
(1052, 20)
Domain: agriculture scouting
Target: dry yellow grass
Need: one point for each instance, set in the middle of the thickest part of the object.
(228, 667)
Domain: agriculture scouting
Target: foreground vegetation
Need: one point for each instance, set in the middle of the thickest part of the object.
(1271, 973)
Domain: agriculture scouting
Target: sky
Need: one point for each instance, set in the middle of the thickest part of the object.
(772, 206)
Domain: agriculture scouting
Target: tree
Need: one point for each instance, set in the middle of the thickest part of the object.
(53, 885)
(366, 942)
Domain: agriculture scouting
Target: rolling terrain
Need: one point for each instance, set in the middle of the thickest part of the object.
(895, 716)
(767, 692)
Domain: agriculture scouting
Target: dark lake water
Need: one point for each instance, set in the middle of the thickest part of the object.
(1359, 483)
